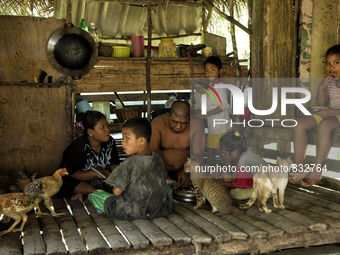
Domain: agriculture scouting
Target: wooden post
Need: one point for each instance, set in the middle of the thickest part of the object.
(69, 10)
(233, 38)
(250, 26)
(148, 62)
(256, 39)
(295, 36)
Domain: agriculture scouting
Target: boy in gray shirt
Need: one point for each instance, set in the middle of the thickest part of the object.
(139, 183)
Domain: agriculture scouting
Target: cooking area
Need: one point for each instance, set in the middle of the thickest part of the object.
(136, 60)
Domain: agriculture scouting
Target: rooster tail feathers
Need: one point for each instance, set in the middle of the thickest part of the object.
(32, 178)
(18, 174)
(33, 190)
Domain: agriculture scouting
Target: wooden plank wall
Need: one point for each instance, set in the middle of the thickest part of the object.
(23, 44)
(111, 74)
(33, 128)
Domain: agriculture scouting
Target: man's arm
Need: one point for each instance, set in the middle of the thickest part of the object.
(197, 139)
(155, 135)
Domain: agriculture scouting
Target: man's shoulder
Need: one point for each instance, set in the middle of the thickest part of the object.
(159, 121)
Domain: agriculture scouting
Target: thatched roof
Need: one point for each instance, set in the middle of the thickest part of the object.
(36, 8)
(45, 8)
(109, 16)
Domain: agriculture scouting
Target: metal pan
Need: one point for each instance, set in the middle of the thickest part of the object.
(184, 199)
(185, 193)
(72, 51)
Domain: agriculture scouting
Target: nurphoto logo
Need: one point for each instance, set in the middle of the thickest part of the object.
(239, 101)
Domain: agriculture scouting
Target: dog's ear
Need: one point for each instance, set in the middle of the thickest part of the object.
(278, 159)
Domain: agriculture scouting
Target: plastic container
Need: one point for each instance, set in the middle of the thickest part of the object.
(171, 100)
(83, 25)
(120, 52)
(93, 32)
(137, 44)
(83, 106)
(154, 51)
(167, 48)
(118, 104)
(103, 107)
(207, 51)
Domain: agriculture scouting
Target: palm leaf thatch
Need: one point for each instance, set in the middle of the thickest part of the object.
(35, 8)
(209, 17)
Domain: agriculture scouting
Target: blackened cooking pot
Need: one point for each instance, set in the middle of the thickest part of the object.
(72, 51)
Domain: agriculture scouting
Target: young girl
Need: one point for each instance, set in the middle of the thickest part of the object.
(244, 163)
(213, 71)
(327, 119)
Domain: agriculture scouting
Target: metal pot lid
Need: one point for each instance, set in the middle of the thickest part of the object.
(72, 51)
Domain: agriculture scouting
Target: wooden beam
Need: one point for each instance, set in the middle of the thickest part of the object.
(166, 3)
(153, 2)
(148, 63)
(176, 36)
(127, 97)
(69, 10)
(154, 38)
(24, 8)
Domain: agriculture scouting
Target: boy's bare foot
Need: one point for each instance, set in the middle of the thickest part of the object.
(77, 196)
(311, 179)
(295, 178)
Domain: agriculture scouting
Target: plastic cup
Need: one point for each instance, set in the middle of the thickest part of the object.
(137, 43)
(83, 106)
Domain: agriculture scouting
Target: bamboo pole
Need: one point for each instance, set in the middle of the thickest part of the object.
(69, 10)
(295, 38)
(250, 26)
(233, 38)
(24, 8)
(148, 63)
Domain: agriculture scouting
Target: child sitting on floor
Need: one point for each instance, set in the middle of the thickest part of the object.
(234, 150)
(139, 183)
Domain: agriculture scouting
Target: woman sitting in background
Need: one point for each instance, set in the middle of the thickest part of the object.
(95, 148)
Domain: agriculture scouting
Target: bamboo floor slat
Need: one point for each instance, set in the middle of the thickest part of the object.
(310, 218)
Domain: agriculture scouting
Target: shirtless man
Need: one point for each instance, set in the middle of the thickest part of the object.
(171, 136)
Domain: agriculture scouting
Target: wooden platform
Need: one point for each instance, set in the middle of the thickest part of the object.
(309, 219)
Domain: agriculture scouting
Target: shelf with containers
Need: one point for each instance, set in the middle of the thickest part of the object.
(127, 77)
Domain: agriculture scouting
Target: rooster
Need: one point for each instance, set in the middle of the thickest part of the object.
(17, 205)
(51, 185)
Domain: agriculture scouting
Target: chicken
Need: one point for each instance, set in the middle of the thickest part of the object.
(16, 205)
(51, 185)
(21, 179)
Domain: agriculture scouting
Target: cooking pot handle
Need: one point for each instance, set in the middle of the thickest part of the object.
(69, 25)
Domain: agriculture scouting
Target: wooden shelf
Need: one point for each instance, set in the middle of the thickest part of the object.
(129, 74)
